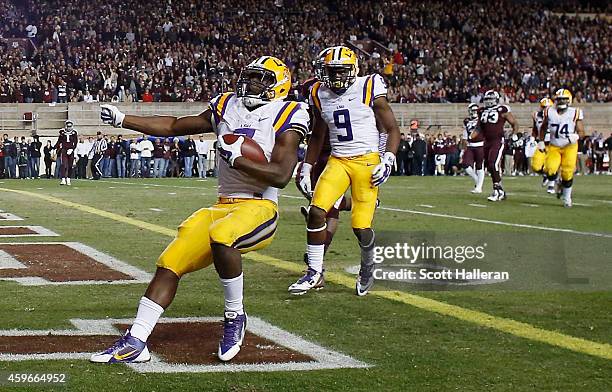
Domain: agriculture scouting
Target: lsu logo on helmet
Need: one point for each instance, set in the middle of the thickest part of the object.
(562, 98)
(545, 103)
(264, 80)
(339, 68)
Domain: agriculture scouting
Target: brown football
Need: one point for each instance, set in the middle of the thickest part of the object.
(250, 149)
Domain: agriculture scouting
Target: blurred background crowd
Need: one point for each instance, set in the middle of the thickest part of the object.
(106, 156)
(182, 50)
(187, 157)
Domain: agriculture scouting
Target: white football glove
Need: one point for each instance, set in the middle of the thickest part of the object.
(573, 137)
(382, 171)
(69, 152)
(229, 152)
(541, 146)
(305, 184)
(109, 114)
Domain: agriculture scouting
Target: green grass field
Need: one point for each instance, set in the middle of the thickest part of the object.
(407, 333)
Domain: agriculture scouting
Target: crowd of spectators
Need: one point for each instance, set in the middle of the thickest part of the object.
(109, 157)
(184, 50)
(428, 154)
(420, 153)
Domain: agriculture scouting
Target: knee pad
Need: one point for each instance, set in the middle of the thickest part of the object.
(567, 183)
(366, 238)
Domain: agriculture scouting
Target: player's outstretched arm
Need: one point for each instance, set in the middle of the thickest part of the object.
(157, 125)
(386, 118)
(278, 171)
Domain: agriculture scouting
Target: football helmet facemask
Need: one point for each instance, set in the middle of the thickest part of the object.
(473, 110)
(491, 98)
(562, 98)
(339, 69)
(264, 80)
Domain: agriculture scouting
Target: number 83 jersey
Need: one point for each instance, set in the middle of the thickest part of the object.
(561, 125)
(349, 116)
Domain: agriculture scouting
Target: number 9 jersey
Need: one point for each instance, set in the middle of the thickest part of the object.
(349, 116)
(561, 125)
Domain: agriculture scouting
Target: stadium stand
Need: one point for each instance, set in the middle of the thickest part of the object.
(187, 51)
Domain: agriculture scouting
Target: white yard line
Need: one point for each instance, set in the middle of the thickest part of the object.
(500, 223)
(477, 205)
(426, 205)
(491, 222)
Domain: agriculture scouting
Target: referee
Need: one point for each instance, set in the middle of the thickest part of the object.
(99, 146)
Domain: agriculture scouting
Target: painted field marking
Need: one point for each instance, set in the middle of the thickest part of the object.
(477, 205)
(530, 205)
(500, 223)
(582, 204)
(156, 209)
(426, 205)
(8, 261)
(323, 358)
(7, 216)
(37, 231)
(172, 193)
(492, 222)
(507, 325)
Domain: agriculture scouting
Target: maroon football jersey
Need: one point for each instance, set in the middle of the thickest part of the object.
(491, 122)
(469, 126)
(66, 141)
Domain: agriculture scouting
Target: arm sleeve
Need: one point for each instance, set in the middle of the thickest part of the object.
(298, 120)
(379, 86)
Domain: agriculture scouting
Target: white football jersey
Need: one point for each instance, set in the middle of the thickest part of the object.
(349, 116)
(561, 125)
(263, 125)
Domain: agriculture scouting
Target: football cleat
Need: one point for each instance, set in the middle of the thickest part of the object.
(497, 195)
(365, 280)
(311, 280)
(551, 189)
(567, 203)
(476, 190)
(63, 181)
(321, 283)
(126, 349)
(67, 180)
(234, 328)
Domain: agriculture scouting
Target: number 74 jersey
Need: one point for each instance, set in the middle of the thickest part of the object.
(349, 116)
(561, 125)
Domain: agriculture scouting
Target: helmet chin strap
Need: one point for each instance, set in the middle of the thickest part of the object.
(252, 102)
